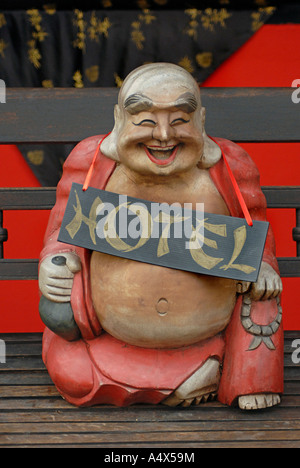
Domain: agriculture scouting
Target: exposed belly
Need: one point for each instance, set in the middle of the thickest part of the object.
(155, 307)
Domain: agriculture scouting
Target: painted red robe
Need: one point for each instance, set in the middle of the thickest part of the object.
(99, 369)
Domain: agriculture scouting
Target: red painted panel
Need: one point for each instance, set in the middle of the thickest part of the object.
(270, 58)
(275, 162)
(19, 299)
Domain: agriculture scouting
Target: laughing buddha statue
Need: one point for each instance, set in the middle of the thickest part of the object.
(122, 332)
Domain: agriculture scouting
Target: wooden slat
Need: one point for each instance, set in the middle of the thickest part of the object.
(18, 269)
(251, 114)
(34, 415)
(43, 198)
(37, 198)
(11, 270)
(282, 197)
(289, 267)
(56, 115)
(115, 427)
(68, 115)
(193, 438)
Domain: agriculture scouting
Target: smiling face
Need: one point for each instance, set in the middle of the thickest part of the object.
(159, 122)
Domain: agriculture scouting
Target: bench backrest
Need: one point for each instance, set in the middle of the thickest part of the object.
(70, 115)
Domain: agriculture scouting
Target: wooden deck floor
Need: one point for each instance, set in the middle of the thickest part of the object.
(32, 413)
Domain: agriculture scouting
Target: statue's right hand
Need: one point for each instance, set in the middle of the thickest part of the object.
(56, 276)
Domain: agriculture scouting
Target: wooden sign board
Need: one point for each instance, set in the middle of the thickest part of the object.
(171, 236)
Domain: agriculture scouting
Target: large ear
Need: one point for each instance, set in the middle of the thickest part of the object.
(212, 152)
(109, 146)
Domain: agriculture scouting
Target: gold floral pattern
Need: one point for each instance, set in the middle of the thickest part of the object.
(107, 3)
(47, 84)
(35, 19)
(147, 17)
(209, 19)
(3, 46)
(259, 17)
(98, 27)
(79, 42)
(38, 35)
(2, 20)
(137, 34)
(186, 63)
(50, 9)
(100, 47)
(143, 4)
(77, 77)
(34, 54)
(36, 157)
(118, 80)
(204, 59)
(92, 73)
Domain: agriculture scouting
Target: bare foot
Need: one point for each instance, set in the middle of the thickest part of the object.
(199, 388)
(255, 402)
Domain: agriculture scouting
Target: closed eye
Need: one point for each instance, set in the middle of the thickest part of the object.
(179, 121)
(145, 122)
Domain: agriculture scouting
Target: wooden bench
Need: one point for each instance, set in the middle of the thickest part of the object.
(32, 412)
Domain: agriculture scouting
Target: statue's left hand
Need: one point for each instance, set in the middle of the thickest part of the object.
(268, 285)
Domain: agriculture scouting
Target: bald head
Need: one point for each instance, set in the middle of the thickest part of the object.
(159, 78)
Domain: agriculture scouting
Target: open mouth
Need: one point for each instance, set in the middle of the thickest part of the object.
(161, 155)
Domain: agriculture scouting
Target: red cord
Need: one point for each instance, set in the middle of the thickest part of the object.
(91, 169)
(236, 189)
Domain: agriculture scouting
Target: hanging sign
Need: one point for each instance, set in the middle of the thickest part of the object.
(171, 236)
